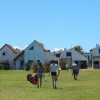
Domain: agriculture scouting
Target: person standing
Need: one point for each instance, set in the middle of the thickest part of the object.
(75, 70)
(53, 71)
(67, 67)
(40, 72)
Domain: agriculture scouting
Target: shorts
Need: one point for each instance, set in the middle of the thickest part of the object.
(75, 71)
(54, 73)
(39, 74)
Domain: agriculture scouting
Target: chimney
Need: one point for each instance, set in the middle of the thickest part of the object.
(64, 49)
(97, 45)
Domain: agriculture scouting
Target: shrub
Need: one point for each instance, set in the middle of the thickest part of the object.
(34, 67)
(4, 65)
(1, 66)
(63, 64)
(27, 66)
(46, 67)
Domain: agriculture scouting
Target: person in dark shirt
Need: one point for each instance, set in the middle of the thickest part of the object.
(75, 70)
(40, 72)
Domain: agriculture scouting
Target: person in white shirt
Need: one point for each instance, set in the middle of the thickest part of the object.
(54, 70)
(67, 67)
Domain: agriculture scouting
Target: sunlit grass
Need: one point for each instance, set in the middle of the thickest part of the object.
(14, 86)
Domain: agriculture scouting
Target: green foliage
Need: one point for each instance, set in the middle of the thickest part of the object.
(4, 65)
(28, 66)
(46, 67)
(34, 67)
(63, 64)
(1, 66)
(78, 48)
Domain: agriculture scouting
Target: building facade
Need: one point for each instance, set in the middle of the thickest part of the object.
(7, 55)
(31, 54)
(95, 53)
(71, 56)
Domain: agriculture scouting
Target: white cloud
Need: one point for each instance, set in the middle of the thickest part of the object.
(18, 47)
(21, 48)
(58, 49)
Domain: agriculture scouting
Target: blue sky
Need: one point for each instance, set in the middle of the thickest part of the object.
(55, 23)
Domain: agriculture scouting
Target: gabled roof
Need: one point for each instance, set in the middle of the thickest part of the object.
(78, 53)
(16, 51)
(41, 45)
(19, 55)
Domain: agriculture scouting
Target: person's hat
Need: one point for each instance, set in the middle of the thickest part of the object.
(74, 64)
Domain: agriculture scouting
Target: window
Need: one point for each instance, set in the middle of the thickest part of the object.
(3, 53)
(21, 64)
(99, 50)
(88, 58)
(31, 48)
(58, 55)
(30, 61)
(68, 54)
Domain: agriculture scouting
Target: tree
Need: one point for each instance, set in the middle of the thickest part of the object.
(79, 49)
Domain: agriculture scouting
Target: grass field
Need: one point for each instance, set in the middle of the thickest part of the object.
(14, 86)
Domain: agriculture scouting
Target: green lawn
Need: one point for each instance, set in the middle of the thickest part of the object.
(14, 86)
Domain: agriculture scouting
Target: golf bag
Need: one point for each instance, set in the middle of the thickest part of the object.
(32, 79)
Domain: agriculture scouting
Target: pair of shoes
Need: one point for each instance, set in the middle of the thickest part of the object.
(75, 78)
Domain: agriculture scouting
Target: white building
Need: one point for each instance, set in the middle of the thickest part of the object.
(71, 55)
(94, 57)
(7, 55)
(95, 53)
(35, 51)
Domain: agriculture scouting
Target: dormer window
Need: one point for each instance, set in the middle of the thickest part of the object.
(3, 53)
(31, 48)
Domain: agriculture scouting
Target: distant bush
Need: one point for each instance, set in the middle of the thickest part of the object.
(28, 66)
(63, 64)
(34, 67)
(1, 66)
(46, 67)
(4, 65)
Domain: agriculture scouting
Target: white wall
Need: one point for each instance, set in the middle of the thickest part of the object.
(36, 54)
(75, 55)
(50, 56)
(9, 56)
(18, 65)
(95, 51)
(78, 56)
